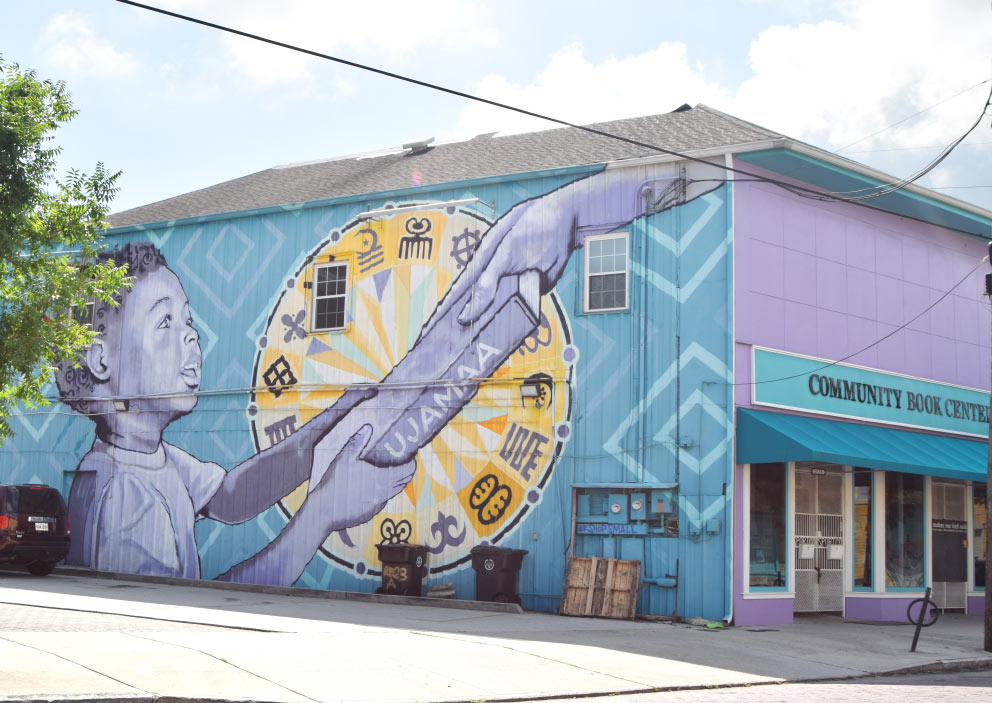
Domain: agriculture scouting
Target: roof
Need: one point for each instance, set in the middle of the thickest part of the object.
(487, 155)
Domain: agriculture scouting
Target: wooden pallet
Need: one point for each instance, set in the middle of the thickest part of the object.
(602, 588)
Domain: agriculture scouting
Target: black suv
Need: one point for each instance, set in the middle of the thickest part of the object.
(34, 527)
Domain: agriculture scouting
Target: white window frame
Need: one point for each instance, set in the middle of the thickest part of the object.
(588, 275)
(90, 308)
(314, 297)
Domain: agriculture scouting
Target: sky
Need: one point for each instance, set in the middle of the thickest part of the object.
(176, 107)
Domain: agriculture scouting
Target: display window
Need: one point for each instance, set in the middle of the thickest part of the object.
(768, 555)
(863, 510)
(905, 527)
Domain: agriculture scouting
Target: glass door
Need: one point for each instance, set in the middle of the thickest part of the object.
(819, 536)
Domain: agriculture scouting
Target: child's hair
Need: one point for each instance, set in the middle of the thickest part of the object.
(73, 377)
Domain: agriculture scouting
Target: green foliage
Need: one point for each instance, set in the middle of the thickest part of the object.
(50, 233)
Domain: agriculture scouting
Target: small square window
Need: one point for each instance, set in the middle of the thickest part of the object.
(330, 295)
(606, 273)
(83, 314)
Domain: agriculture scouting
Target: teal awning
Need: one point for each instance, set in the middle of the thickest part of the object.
(764, 437)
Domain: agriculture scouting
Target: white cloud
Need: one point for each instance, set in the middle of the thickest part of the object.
(574, 89)
(829, 83)
(384, 32)
(73, 47)
(835, 82)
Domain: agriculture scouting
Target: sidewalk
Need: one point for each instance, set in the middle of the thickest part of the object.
(264, 646)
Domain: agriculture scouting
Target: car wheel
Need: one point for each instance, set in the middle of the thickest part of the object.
(41, 568)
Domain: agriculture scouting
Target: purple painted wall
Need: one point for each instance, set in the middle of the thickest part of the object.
(976, 605)
(828, 279)
(883, 609)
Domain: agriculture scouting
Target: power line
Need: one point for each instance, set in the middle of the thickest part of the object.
(915, 114)
(929, 167)
(801, 191)
(879, 190)
(913, 148)
(873, 344)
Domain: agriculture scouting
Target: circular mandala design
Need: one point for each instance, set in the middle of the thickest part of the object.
(486, 467)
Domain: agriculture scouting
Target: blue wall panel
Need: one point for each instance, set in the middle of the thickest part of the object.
(638, 396)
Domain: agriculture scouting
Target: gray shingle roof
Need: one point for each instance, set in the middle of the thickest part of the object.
(480, 157)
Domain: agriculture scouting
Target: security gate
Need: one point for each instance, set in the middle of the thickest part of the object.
(819, 534)
(950, 545)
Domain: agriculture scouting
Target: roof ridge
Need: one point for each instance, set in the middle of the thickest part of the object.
(479, 157)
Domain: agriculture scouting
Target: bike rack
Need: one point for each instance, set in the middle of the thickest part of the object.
(925, 605)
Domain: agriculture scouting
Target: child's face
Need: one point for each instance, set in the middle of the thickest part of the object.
(159, 347)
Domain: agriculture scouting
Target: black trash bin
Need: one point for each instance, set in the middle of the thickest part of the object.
(496, 571)
(403, 568)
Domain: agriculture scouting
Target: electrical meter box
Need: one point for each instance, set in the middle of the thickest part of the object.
(618, 511)
(661, 502)
(638, 506)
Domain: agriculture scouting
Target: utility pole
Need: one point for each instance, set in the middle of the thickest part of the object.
(988, 501)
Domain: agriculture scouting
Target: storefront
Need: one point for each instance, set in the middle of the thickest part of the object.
(858, 489)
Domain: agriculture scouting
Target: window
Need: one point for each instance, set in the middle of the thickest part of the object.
(330, 292)
(862, 528)
(904, 530)
(606, 273)
(83, 314)
(767, 526)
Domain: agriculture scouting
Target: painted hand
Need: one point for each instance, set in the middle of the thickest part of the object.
(306, 438)
(351, 490)
(537, 235)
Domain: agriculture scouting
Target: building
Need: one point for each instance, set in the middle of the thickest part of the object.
(551, 341)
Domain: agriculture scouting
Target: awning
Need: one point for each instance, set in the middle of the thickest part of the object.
(764, 437)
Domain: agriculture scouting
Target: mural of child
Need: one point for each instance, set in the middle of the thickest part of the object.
(135, 498)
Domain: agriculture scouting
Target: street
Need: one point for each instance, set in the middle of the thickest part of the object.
(945, 686)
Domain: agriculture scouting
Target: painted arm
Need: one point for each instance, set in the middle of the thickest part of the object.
(539, 235)
(349, 493)
(259, 481)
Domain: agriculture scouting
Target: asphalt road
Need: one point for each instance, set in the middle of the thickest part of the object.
(956, 687)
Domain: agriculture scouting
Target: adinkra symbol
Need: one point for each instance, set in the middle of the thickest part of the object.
(278, 376)
(294, 326)
(463, 246)
(280, 429)
(395, 532)
(490, 499)
(418, 245)
(445, 529)
(372, 255)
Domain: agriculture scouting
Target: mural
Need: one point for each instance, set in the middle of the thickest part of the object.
(482, 453)
(283, 391)
(135, 497)
(413, 406)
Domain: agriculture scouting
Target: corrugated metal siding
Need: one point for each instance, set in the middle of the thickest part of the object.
(628, 382)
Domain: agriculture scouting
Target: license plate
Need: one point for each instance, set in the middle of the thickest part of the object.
(41, 527)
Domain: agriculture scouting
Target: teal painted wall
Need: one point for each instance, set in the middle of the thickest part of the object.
(639, 396)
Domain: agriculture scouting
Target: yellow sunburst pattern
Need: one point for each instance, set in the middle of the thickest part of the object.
(490, 461)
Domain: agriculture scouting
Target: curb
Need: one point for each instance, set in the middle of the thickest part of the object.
(478, 605)
(943, 665)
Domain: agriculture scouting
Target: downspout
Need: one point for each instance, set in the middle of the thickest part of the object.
(678, 353)
(646, 249)
(730, 492)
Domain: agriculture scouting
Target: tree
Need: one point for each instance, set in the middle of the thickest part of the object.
(50, 234)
